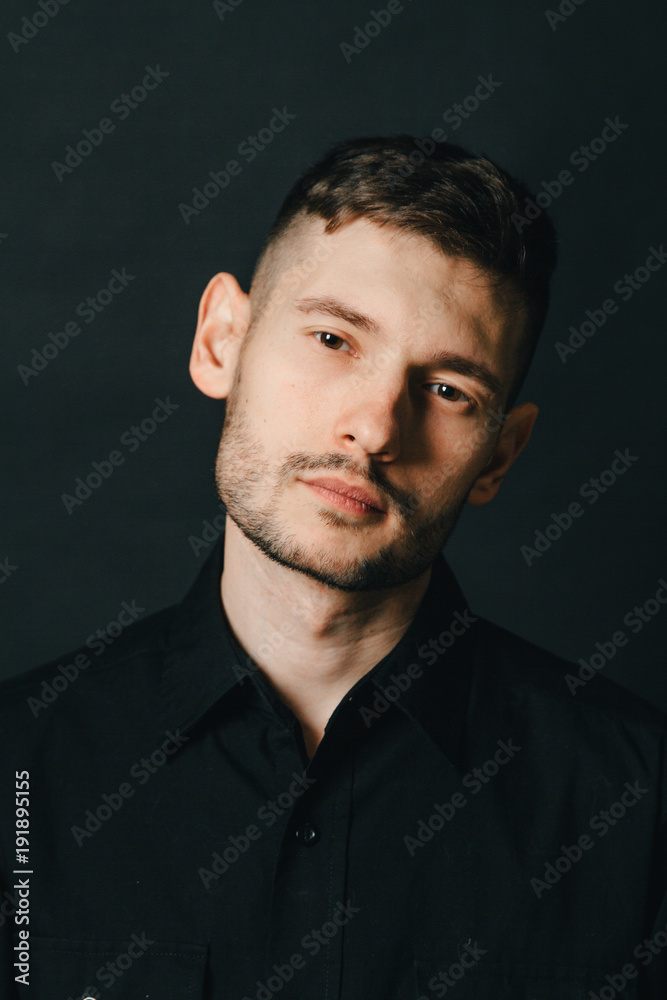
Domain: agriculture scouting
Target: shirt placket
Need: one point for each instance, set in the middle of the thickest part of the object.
(309, 908)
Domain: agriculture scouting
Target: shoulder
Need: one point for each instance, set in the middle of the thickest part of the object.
(558, 692)
(92, 677)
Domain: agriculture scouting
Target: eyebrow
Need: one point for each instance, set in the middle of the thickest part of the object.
(332, 307)
(466, 366)
(448, 359)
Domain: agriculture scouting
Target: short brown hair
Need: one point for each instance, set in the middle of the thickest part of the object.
(466, 205)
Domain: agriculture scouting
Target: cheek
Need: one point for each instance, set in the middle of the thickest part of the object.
(279, 409)
(270, 384)
(470, 449)
(455, 467)
(305, 396)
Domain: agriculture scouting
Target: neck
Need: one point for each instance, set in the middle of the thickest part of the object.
(312, 642)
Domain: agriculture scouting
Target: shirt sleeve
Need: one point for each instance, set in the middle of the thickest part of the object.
(650, 956)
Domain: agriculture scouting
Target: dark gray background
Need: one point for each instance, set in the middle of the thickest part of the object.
(119, 208)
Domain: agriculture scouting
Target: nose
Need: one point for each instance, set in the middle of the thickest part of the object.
(374, 416)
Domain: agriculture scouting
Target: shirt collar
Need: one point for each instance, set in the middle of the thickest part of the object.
(427, 674)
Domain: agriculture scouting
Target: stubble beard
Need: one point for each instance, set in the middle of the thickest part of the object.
(244, 475)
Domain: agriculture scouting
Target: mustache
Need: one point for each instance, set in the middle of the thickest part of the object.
(404, 501)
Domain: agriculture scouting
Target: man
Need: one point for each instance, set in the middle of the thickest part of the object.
(322, 775)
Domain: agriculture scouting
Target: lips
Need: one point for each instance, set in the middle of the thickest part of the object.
(346, 490)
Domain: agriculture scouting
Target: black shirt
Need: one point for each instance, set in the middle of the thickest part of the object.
(471, 824)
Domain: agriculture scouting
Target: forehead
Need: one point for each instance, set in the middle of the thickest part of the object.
(413, 291)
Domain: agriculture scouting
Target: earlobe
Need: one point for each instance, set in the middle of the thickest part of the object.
(512, 440)
(222, 321)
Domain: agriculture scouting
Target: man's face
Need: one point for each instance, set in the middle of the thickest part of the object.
(377, 364)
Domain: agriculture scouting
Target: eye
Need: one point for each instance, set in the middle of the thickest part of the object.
(333, 336)
(450, 392)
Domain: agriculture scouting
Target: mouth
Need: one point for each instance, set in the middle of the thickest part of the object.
(340, 494)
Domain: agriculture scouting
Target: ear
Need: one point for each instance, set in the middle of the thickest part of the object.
(511, 441)
(222, 322)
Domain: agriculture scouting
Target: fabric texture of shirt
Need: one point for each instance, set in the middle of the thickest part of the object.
(471, 825)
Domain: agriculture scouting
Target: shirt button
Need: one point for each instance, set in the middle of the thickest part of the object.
(306, 834)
